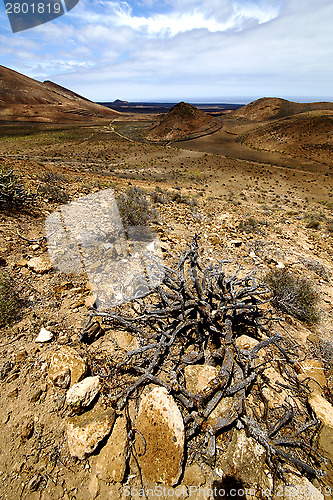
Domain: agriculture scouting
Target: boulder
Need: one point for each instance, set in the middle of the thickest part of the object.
(246, 458)
(66, 366)
(324, 412)
(80, 395)
(161, 448)
(111, 461)
(312, 372)
(322, 408)
(197, 377)
(246, 342)
(40, 264)
(86, 431)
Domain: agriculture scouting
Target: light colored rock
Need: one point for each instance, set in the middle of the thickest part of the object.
(161, 425)
(197, 377)
(322, 408)
(66, 367)
(246, 342)
(125, 340)
(193, 476)
(312, 369)
(21, 263)
(40, 264)
(280, 265)
(324, 412)
(93, 487)
(111, 461)
(90, 300)
(44, 336)
(246, 458)
(81, 394)
(297, 488)
(86, 431)
(116, 492)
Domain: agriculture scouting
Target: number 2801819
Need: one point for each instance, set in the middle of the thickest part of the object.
(33, 8)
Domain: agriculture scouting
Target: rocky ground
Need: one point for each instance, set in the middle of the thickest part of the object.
(62, 435)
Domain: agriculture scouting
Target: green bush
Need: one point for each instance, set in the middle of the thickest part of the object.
(293, 295)
(9, 301)
(134, 208)
(13, 194)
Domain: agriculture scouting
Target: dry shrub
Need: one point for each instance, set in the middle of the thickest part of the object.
(134, 208)
(13, 193)
(293, 295)
(10, 304)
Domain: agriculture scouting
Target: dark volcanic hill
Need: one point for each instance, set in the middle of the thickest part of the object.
(25, 99)
(183, 121)
(268, 108)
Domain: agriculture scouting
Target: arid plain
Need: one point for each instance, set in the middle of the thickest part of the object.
(255, 184)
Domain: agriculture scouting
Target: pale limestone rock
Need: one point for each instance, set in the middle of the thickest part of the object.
(198, 377)
(21, 263)
(246, 342)
(312, 369)
(86, 431)
(90, 300)
(40, 264)
(322, 408)
(246, 458)
(161, 424)
(111, 461)
(193, 476)
(93, 487)
(66, 366)
(44, 336)
(116, 492)
(125, 340)
(81, 394)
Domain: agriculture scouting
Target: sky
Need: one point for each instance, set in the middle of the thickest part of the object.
(172, 50)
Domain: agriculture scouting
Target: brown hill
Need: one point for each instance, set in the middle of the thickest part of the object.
(183, 121)
(25, 99)
(268, 108)
(308, 135)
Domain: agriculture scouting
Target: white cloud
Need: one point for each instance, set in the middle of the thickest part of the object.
(214, 48)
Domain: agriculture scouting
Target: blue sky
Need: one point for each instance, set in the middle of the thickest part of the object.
(170, 50)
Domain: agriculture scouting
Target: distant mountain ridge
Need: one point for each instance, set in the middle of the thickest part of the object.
(24, 99)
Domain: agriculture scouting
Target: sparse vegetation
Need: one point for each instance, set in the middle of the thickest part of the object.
(53, 192)
(312, 222)
(134, 207)
(13, 193)
(9, 301)
(251, 225)
(159, 197)
(329, 226)
(317, 267)
(293, 295)
(181, 198)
